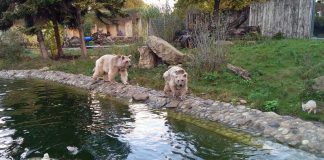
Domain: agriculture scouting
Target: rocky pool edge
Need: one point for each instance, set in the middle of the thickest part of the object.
(287, 130)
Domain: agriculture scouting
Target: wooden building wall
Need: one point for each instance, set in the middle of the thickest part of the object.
(293, 18)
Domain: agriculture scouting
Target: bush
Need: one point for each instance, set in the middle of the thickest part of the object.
(87, 29)
(309, 93)
(10, 46)
(210, 52)
(271, 106)
(278, 36)
(90, 43)
(210, 77)
(252, 37)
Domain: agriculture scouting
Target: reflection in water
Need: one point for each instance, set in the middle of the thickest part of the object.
(153, 138)
(38, 118)
(49, 118)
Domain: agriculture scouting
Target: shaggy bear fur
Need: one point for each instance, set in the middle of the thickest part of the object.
(110, 65)
(176, 81)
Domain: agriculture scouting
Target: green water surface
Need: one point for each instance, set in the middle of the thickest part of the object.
(38, 117)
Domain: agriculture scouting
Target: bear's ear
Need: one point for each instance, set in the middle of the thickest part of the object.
(123, 57)
(185, 75)
(181, 71)
(129, 56)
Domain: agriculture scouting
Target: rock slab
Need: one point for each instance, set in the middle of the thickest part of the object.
(147, 59)
(169, 54)
(141, 97)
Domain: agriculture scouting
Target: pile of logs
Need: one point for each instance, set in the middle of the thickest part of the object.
(101, 38)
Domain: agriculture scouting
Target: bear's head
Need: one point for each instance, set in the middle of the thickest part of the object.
(181, 78)
(124, 61)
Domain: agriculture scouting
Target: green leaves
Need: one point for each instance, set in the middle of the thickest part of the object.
(271, 105)
(150, 12)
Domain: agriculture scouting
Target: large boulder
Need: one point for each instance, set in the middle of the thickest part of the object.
(165, 51)
(147, 59)
(319, 83)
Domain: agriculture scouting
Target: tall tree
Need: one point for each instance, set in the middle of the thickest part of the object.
(57, 37)
(69, 12)
(44, 11)
(216, 6)
(76, 9)
(5, 21)
(11, 11)
(35, 27)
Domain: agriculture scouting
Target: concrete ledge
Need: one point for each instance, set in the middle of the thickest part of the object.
(284, 129)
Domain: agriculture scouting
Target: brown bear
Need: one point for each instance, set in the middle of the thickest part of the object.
(176, 81)
(110, 65)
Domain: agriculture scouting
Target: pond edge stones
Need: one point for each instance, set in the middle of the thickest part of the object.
(288, 130)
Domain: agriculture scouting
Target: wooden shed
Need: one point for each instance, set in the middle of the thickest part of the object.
(293, 18)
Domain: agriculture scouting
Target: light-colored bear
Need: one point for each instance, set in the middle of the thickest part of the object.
(176, 81)
(309, 106)
(110, 65)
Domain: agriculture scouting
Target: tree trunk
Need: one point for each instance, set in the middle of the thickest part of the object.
(42, 47)
(239, 71)
(240, 20)
(81, 34)
(148, 26)
(216, 7)
(57, 39)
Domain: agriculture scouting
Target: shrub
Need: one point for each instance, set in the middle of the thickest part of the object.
(258, 95)
(310, 93)
(90, 43)
(252, 37)
(210, 77)
(210, 52)
(278, 36)
(271, 105)
(87, 29)
(248, 83)
(10, 46)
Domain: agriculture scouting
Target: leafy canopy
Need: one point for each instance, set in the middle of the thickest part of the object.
(134, 4)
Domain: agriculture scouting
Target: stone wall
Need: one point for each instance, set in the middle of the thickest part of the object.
(284, 129)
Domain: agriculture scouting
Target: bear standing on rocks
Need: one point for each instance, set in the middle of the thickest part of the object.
(110, 65)
(176, 81)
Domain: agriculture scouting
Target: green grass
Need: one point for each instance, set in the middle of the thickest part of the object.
(282, 73)
(281, 70)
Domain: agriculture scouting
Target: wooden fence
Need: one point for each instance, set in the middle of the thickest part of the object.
(293, 18)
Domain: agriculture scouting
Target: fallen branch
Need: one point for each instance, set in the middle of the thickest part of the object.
(240, 71)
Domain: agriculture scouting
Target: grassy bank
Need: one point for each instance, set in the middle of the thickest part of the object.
(282, 73)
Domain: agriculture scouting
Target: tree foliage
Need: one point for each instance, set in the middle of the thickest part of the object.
(37, 13)
(150, 12)
(130, 4)
(11, 46)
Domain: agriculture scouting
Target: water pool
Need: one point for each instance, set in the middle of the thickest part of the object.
(38, 117)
